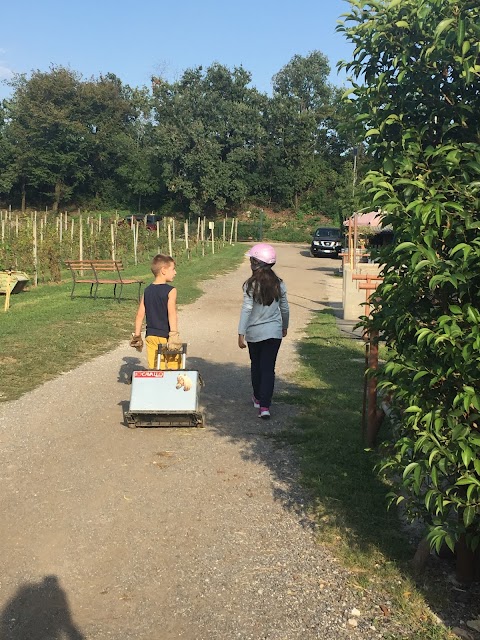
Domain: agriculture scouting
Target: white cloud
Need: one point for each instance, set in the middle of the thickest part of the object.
(5, 73)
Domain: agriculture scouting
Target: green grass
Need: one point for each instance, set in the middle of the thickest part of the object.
(347, 497)
(45, 333)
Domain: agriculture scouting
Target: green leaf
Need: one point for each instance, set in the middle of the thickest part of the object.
(467, 456)
(419, 375)
(443, 25)
(468, 516)
(460, 31)
(454, 308)
(405, 245)
(409, 468)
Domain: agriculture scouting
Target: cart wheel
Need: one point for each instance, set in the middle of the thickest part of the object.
(201, 422)
(131, 424)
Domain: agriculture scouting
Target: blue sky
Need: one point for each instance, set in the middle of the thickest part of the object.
(136, 40)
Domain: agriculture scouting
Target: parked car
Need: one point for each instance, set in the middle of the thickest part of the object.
(150, 223)
(326, 241)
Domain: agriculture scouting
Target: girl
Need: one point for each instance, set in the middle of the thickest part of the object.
(263, 323)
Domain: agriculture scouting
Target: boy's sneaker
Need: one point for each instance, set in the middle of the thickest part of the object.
(264, 412)
(256, 403)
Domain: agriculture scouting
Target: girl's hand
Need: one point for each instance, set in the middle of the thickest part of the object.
(241, 342)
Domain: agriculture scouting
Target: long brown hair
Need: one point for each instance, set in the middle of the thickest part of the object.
(263, 285)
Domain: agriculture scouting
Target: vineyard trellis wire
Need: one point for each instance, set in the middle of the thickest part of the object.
(40, 242)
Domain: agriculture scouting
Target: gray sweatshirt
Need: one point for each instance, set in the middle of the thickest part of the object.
(259, 322)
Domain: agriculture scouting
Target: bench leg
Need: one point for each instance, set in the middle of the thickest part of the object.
(120, 294)
(96, 289)
(73, 289)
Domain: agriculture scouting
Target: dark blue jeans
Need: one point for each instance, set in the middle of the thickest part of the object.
(263, 356)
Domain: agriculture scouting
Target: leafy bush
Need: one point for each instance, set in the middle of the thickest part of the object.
(420, 110)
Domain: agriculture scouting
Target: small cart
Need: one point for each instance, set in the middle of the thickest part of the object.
(166, 398)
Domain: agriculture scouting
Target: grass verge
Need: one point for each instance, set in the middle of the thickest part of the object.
(45, 333)
(347, 497)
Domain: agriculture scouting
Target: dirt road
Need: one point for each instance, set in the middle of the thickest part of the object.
(108, 532)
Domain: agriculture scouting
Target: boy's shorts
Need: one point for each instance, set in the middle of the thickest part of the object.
(166, 362)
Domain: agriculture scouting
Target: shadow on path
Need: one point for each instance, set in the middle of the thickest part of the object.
(39, 611)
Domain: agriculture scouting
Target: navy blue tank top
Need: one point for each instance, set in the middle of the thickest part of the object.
(155, 298)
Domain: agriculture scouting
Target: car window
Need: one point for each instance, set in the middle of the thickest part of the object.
(327, 233)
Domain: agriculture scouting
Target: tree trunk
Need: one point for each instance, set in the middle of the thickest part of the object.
(467, 568)
(24, 196)
(58, 192)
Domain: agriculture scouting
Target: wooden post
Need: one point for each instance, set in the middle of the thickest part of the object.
(112, 241)
(158, 236)
(174, 237)
(355, 240)
(16, 224)
(372, 414)
(169, 232)
(224, 229)
(185, 226)
(231, 230)
(80, 240)
(236, 230)
(35, 250)
(135, 241)
(7, 291)
(372, 417)
(212, 226)
(3, 231)
(198, 229)
(350, 243)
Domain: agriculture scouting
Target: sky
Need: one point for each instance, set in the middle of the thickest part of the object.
(135, 40)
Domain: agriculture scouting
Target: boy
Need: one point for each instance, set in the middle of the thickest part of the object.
(159, 305)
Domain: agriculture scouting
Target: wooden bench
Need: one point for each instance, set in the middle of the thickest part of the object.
(91, 272)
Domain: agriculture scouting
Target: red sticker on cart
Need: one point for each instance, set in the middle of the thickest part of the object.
(148, 374)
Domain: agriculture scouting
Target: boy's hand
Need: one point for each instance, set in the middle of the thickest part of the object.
(174, 341)
(136, 342)
(241, 342)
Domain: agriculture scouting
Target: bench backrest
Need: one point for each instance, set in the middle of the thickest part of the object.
(95, 265)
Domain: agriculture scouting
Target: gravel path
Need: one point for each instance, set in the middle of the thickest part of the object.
(157, 534)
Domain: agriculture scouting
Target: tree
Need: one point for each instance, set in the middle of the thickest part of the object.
(298, 126)
(208, 124)
(420, 110)
(116, 118)
(7, 176)
(46, 134)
